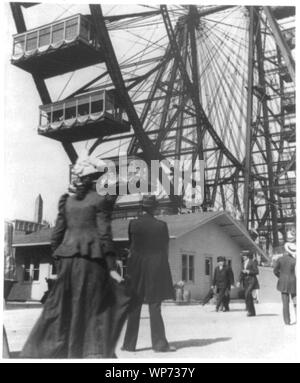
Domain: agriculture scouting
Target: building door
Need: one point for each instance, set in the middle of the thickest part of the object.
(208, 271)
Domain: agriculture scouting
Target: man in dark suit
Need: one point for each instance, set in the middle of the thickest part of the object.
(285, 272)
(249, 281)
(149, 276)
(226, 300)
(221, 283)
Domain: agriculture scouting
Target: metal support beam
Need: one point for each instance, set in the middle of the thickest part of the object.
(217, 177)
(223, 197)
(28, 5)
(96, 144)
(192, 20)
(105, 73)
(71, 152)
(166, 107)
(134, 144)
(181, 104)
(190, 89)
(139, 79)
(247, 168)
(18, 17)
(210, 11)
(21, 27)
(149, 151)
(131, 15)
(174, 117)
(264, 218)
(116, 76)
(39, 82)
(261, 78)
(282, 44)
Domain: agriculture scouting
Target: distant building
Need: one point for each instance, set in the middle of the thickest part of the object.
(26, 227)
(38, 212)
(19, 227)
(196, 240)
(130, 206)
(9, 265)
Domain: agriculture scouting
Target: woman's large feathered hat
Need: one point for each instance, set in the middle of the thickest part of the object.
(149, 201)
(290, 247)
(86, 165)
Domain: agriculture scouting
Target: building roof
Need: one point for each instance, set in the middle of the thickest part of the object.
(178, 225)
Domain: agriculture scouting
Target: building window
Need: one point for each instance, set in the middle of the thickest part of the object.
(191, 268)
(35, 268)
(53, 268)
(184, 267)
(31, 268)
(188, 269)
(207, 267)
(27, 266)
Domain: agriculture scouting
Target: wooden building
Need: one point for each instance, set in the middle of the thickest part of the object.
(196, 240)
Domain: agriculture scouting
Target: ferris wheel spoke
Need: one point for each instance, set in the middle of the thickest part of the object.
(182, 74)
(221, 80)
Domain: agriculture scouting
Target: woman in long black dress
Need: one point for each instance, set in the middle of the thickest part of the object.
(72, 324)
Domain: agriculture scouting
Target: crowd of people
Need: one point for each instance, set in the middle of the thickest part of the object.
(223, 282)
(90, 301)
(284, 269)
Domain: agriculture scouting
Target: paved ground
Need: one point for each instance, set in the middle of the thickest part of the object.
(198, 333)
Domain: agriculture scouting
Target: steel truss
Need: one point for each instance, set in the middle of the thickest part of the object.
(211, 87)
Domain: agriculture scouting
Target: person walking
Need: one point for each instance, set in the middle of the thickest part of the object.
(221, 282)
(255, 292)
(149, 276)
(249, 282)
(226, 299)
(208, 296)
(285, 271)
(72, 322)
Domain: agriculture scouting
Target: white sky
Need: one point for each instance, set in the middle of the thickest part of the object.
(33, 164)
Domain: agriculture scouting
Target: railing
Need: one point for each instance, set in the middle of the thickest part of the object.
(289, 35)
(290, 128)
(81, 106)
(289, 97)
(63, 30)
(289, 183)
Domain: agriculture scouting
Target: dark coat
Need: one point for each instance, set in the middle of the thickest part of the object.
(148, 271)
(250, 280)
(230, 276)
(285, 272)
(222, 278)
(71, 323)
(83, 227)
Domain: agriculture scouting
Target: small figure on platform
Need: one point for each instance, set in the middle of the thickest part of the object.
(248, 281)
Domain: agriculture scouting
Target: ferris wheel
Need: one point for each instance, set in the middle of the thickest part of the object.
(211, 83)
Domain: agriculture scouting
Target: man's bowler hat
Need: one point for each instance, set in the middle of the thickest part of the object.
(149, 201)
